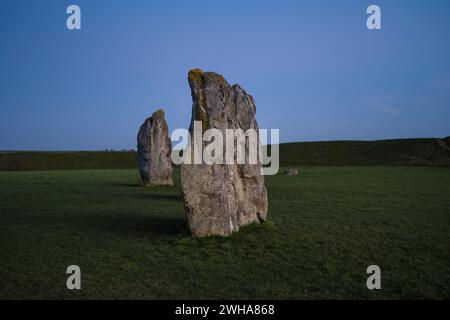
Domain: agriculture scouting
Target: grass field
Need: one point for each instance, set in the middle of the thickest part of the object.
(327, 225)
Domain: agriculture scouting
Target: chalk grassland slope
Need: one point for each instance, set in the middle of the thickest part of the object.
(27, 161)
(407, 152)
(399, 152)
(326, 226)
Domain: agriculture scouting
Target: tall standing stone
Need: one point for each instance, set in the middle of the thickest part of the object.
(154, 148)
(220, 198)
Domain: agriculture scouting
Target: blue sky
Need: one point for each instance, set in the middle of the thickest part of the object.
(314, 69)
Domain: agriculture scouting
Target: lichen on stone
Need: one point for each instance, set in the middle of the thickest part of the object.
(195, 76)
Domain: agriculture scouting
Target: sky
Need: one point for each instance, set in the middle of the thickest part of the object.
(315, 70)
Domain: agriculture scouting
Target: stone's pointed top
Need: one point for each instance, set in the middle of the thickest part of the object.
(195, 71)
(195, 76)
(237, 87)
(198, 78)
(158, 113)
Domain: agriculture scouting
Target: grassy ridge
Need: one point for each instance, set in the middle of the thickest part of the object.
(406, 152)
(35, 161)
(400, 152)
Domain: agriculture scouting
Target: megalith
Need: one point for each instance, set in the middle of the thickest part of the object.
(154, 151)
(219, 198)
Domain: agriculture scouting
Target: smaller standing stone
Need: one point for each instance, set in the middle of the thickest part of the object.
(154, 148)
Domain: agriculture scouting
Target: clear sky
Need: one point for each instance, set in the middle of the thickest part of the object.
(315, 70)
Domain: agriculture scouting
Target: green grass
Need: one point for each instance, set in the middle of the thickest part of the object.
(326, 226)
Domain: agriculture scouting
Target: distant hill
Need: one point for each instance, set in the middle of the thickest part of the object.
(43, 160)
(400, 152)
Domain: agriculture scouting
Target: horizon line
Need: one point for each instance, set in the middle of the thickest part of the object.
(282, 143)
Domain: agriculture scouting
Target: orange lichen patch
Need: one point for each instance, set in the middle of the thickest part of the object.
(195, 75)
(222, 80)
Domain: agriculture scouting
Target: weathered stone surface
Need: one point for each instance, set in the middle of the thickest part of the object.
(220, 198)
(154, 148)
(291, 172)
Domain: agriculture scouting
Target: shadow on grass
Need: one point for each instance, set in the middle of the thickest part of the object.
(163, 197)
(154, 196)
(157, 226)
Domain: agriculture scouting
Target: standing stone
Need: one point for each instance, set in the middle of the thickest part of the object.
(154, 148)
(220, 198)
